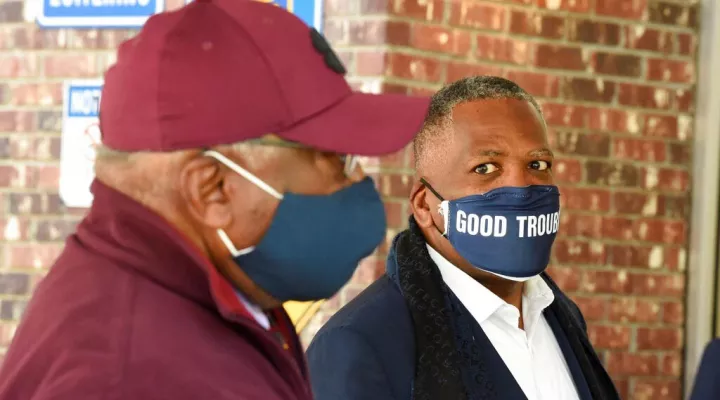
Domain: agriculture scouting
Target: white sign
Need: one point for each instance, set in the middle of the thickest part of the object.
(310, 11)
(80, 136)
(98, 13)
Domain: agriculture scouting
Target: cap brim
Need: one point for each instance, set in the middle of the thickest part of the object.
(363, 124)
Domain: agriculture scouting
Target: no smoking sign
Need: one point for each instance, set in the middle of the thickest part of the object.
(80, 137)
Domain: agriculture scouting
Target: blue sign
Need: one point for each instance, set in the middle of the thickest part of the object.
(98, 13)
(310, 11)
(83, 100)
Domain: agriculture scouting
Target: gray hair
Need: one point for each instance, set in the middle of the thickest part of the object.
(483, 87)
(140, 173)
(105, 154)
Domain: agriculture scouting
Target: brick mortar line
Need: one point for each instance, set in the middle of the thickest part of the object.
(52, 108)
(38, 53)
(534, 40)
(621, 242)
(36, 219)
(610, 159)
(634, 271)
(632, 217)
(614, 267)
(620, 135)
(592, 8)
(592, 16)
(611, 296)
(566, 102)
(397, 171)
(20, 190)
(31, 163)
(666, 299)
(566, 15)
(560, 73)
(634, 189)
(643, 54)
(447, 12)
(44, 80)
(615, 49)
(13, 297)
(24, 271)
(647, 352)
(31, 135)
(655, 272)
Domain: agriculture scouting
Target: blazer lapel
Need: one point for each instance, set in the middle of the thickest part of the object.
(485, 374)
(597, 380)
(572, 361)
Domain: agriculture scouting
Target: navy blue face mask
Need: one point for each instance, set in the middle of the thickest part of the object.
(314, 242)
(508, 231)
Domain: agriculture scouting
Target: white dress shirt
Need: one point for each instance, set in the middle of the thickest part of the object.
(533, 355)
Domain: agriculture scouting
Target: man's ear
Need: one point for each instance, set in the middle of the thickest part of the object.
(419, 205)
(202, 184)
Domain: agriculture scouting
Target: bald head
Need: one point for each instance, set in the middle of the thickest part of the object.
(427, 145)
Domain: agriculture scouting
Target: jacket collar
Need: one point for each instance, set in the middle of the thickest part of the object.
(121, 229)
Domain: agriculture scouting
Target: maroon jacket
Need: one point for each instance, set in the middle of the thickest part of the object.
(132, 311)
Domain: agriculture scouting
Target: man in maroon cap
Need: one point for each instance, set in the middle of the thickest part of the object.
(224, 188)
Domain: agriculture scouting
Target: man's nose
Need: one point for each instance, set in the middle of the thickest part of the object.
(517, 176)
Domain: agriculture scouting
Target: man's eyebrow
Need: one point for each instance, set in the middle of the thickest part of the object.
(491, 153)
(544, 152)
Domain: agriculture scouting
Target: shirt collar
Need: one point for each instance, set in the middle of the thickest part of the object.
(260, 317)
(482, 303)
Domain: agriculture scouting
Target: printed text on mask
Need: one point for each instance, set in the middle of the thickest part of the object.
(496, 226)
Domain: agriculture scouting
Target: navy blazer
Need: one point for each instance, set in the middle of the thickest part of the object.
(366, 351)
(707, 380)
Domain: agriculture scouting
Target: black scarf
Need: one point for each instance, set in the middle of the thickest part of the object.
(438, 364)
(448, 365)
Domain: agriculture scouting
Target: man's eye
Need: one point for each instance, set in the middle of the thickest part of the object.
(540, 165)
(486, 168)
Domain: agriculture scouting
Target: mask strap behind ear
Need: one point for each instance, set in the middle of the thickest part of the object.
(244, 173)
(443, 208)
(234, 251)
(430, 188)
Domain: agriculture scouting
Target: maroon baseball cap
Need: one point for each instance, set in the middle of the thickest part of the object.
(223, 71)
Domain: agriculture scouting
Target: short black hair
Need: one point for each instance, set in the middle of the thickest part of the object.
(481, 87)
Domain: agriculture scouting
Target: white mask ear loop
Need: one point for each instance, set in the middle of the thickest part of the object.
(244, 173)
(231, 247)
(252, 178)
(444, 210)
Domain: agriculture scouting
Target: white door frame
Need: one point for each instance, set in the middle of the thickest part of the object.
(703, 261)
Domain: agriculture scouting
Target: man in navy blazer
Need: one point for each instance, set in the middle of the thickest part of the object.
(465, 309)
(707, 380)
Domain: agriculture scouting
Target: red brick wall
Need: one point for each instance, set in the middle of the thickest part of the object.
(616, 81)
